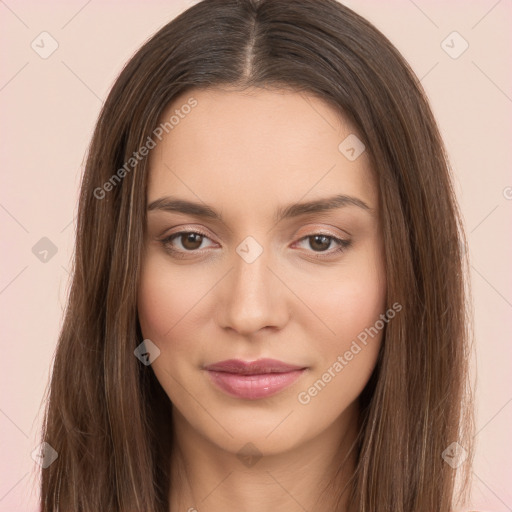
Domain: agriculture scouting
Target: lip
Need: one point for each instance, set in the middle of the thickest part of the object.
(259, 366)
(253, 380)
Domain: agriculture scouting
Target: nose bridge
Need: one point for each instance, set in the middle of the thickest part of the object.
(254, 298)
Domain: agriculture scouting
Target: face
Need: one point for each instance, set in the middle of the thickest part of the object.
(262, 242)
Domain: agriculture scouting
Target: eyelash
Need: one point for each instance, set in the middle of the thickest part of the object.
(343, 244)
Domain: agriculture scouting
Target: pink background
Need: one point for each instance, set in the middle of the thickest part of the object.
(49, 107)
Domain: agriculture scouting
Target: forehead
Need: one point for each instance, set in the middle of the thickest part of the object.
(256, 145)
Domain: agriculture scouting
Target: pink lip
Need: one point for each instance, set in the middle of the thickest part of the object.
(253, 380)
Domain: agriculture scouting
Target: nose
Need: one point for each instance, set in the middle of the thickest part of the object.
(252, 297)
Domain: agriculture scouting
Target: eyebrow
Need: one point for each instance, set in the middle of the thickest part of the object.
(169, 204)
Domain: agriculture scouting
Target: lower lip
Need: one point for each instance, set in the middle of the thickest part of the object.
(253, 387)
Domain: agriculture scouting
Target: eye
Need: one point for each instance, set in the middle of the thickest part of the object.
(321, 243)
(183, 242)
(187, 241)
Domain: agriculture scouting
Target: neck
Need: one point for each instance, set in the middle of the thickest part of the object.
(312, 476)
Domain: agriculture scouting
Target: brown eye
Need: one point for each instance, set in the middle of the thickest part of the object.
(191, 241)
(185, 242)
(325, 246)
(320, 242)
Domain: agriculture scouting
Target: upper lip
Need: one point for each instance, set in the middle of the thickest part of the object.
(252, 367)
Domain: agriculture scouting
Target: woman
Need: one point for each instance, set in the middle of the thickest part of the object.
(267, 309)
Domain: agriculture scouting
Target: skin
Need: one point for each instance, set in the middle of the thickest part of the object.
(246, 153)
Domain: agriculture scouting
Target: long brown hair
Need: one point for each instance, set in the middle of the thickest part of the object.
(107, 416)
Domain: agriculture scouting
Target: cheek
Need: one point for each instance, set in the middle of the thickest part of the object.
(356, 305)
(167, 302)
(347, 358)
(348, 300)
(165, 299)
(156, 302)
(350, 303)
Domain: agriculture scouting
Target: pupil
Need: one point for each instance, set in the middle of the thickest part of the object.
(323, 242)
(192, 241)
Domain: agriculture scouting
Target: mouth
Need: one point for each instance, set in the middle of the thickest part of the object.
(253, 380)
